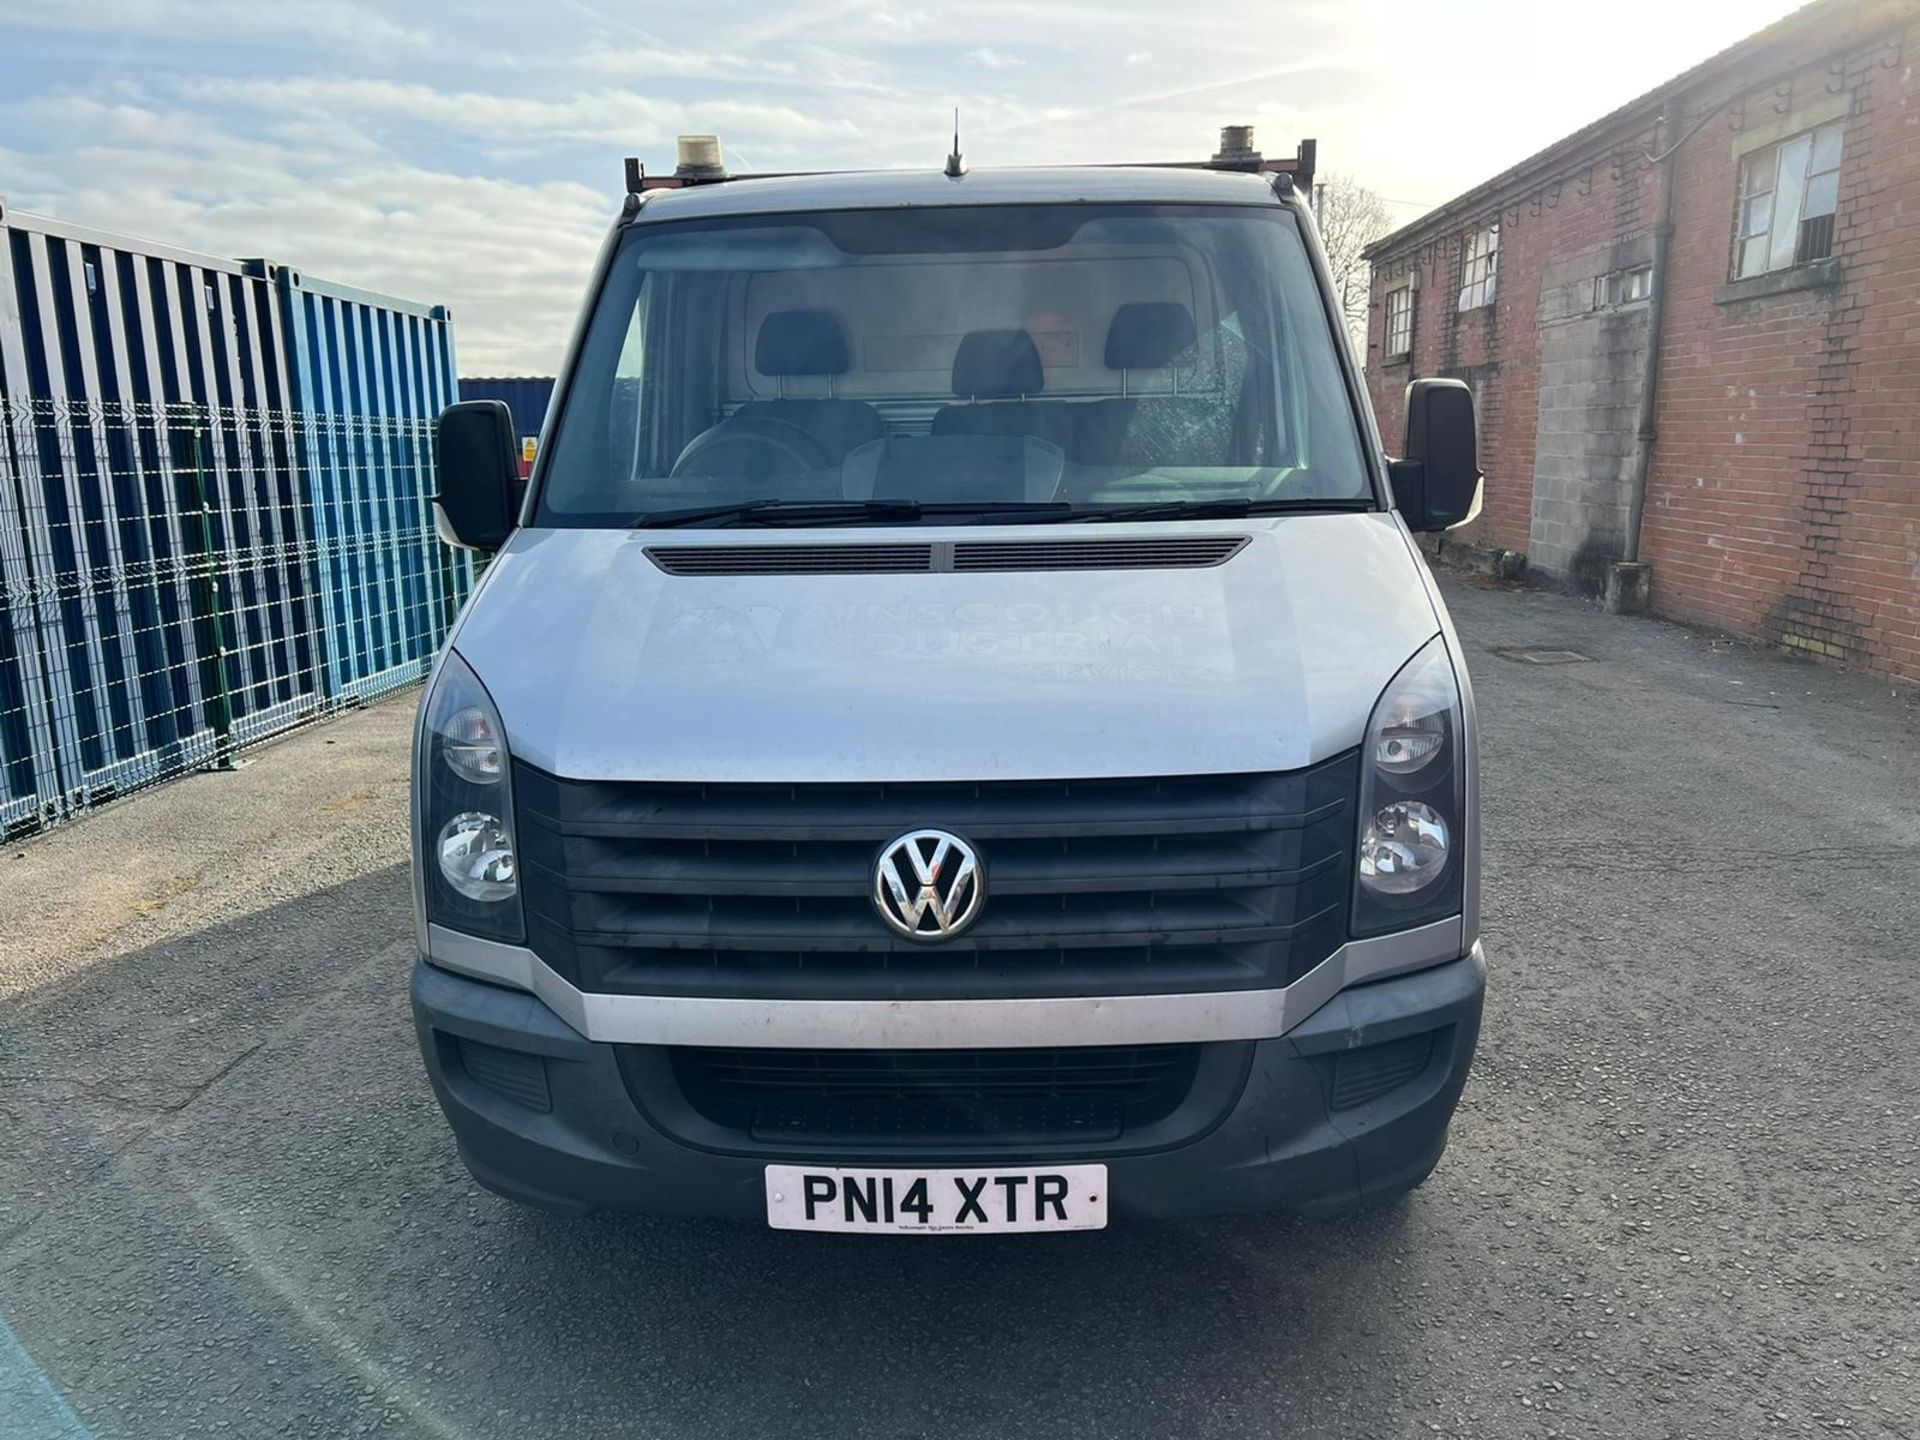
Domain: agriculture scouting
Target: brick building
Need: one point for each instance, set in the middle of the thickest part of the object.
(1776, 322)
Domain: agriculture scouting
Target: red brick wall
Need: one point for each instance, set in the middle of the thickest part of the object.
(1785, 494)
(1784, 499)
(1496, 348)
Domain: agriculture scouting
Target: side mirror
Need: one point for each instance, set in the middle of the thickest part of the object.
(477, 473)
(1437, 484)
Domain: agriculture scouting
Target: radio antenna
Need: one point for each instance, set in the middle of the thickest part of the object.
(956, 162)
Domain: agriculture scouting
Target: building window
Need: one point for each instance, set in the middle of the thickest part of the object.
(1480, 268)
(1622, 287)
(1399, 322)
(1787, 195)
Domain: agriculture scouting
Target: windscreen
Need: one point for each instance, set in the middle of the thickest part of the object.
(1076, 356)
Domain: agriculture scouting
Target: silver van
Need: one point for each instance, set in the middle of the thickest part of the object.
(956, 735)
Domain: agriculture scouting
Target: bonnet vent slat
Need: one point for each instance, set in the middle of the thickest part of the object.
(1183, 552)
(791, 559)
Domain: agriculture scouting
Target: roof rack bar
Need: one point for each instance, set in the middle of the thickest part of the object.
(1241, 157)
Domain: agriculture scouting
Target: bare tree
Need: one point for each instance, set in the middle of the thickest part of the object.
(1351, 217)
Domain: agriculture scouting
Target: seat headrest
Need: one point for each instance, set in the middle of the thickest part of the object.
(1148, 334)
(997, 365)
(801, 342)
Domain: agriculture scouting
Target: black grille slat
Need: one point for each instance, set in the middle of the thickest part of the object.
(927, 1074)
(1032, 927)
(1123, 886)
(877, 813)
(905, 1124)
(1038, 1081)
(807, 876)
(980, 829)
(935, 1096)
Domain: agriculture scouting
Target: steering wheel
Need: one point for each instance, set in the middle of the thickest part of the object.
(757, 446)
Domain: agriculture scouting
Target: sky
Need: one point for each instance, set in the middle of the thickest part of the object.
(470, 154)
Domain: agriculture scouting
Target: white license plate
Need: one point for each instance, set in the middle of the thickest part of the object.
(937, 1202)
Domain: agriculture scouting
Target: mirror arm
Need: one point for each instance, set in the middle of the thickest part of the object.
(1408, 477)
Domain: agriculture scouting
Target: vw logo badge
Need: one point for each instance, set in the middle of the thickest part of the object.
(927, 885)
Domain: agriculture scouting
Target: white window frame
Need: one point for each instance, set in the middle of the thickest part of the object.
(1480, 267)
(1784, 185)
(1404, 294)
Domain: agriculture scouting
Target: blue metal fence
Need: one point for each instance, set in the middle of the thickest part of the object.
(214, 517)
(371, 375)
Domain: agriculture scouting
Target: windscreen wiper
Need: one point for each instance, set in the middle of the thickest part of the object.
(1234, 507)
(841, 512)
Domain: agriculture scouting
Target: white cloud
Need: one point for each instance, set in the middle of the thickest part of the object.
(341, 22)
(611, 117)
(648, 62)
(995, 59)
(858, 21)
(797, 66)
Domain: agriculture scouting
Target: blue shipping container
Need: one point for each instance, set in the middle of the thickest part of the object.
(527, 396)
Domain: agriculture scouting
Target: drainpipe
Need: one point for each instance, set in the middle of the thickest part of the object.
(1627, 580)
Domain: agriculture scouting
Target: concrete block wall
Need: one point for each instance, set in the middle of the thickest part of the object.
(1592, 355)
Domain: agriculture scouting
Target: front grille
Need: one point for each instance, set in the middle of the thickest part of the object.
(850, 1097)
(1145, 886)
(513, 1073)
(1372, 1070)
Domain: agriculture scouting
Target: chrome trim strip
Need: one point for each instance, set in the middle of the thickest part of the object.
(942, 1024)
(488, 960)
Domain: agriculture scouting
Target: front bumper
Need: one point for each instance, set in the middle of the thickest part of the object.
(567, 1135)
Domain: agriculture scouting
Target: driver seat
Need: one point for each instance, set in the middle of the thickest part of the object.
(812, 342)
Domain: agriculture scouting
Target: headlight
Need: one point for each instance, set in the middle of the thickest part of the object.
(1412, 800)
(464, 810)
(476, 856)
(1403, 848)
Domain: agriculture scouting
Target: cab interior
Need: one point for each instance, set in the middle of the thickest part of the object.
(1119, 363)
